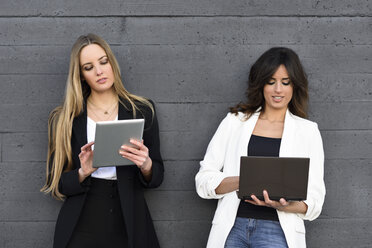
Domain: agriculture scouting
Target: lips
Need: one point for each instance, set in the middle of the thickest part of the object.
(102, 80)
(278, 98)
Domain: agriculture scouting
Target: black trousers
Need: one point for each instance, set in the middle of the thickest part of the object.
(101, 223)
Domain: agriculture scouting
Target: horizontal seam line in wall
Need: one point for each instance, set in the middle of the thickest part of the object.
(25, 74)
(183, 221)
(186, 16)
(36, 103)
(329, 159)
(234, 102)
(348, 100)
(197, 160)
(193, 160)
(164, 160)
(343, 130)
(181, 160)
(345, 44)
(52, 221)
(57, 74)
(186, 131)
(44, 161)
(175, 190)
(190, 102)
(202, 44)
(24, 132)
(35, 221)
(340, 218)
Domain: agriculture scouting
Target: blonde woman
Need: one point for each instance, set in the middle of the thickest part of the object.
(104, 207)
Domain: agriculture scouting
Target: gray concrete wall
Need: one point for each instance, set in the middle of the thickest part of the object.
(192, 58)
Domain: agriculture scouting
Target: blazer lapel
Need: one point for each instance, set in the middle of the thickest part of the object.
(124, 113)
(245, 135)
(288, 137)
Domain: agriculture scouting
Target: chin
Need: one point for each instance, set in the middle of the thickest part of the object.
(102, 90)
(278, 107)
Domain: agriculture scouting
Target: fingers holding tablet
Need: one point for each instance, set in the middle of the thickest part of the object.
(138, 154)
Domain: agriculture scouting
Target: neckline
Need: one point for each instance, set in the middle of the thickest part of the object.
(92, 121)
(264, 137)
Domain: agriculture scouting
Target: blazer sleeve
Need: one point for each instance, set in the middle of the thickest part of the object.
(316, 187)
(210, 174)
(69, 184)
(152, 142)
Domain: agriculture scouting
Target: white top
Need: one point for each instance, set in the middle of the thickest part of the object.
(103, 172)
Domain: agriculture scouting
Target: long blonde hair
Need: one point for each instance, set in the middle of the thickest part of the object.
(60, 121)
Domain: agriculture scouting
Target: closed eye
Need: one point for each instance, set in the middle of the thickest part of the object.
(103, 62)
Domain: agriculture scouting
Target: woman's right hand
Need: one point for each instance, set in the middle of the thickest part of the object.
(86, 161)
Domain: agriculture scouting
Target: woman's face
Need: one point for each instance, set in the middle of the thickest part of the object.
(96, 68)
(278, 91)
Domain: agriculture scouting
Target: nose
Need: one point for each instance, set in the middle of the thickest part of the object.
(98, 70)
(278, 87)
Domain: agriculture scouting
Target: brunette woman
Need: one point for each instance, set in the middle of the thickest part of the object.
(270, 123)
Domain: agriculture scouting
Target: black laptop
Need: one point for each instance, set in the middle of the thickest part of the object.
(282, 177)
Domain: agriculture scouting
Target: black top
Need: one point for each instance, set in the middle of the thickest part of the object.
(266, 147)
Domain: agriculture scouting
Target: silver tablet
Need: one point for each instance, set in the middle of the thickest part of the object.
(110, 136)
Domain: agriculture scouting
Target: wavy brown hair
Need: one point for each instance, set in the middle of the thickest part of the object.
(60, 121)
(261, 72)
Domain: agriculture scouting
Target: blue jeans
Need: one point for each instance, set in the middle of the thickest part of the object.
(252, 233)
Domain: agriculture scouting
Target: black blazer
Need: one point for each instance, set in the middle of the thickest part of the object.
(138, 222)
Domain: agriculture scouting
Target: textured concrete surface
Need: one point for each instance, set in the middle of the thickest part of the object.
(192, 58)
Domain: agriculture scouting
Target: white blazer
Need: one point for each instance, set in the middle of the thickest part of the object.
(301, 138)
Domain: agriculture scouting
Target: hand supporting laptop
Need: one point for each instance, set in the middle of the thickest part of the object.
(281, 205)
(230, 184)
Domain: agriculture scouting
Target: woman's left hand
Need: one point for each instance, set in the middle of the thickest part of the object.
(279, 205)
(138, 154)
